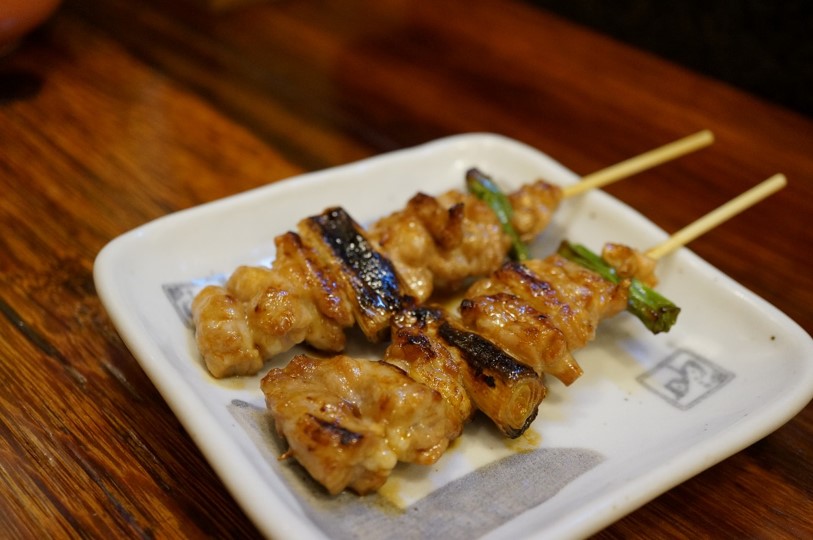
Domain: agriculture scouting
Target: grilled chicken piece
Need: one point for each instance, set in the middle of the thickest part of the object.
(292, 302)
(585, 298)
(299, 267)
(271, 310)
(571, 297)
(439, 243)
(523, 332)
(349, 421)
(223, 336)
(533, 206)
(466, 369)
(629, 263)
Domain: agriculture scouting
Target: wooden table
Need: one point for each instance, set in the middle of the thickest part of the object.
(119, 112)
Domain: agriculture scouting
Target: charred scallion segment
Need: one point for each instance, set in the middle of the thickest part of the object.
(656, 312)
(467, 370)
(484, 188)
(369, 277)
(505, 390)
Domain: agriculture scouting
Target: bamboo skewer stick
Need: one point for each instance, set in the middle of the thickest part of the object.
(639, 163)
(718, 216)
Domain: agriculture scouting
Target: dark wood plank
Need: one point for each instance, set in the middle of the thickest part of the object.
(89, 448)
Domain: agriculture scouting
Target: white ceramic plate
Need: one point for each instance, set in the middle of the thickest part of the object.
(650, 411)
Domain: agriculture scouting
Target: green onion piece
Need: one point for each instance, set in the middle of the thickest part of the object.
(484, 188)
(586, 258)
(656, 312)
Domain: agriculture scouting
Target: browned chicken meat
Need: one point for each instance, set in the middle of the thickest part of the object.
(438, 243)
(573, 298)
(293, 301)
(523, 332)
(349, 422)
(630, 263)
(224, 339)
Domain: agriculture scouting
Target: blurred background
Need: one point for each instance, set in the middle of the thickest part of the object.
(762, 46)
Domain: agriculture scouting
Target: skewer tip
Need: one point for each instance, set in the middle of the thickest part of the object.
(778, 181)
(705, 136)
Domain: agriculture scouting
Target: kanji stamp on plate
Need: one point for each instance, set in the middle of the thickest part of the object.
(684, 379)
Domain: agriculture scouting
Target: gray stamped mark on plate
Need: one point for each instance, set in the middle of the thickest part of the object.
(684, 378)
(180, 295)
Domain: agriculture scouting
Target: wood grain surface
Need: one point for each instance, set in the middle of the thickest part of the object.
(119, 112)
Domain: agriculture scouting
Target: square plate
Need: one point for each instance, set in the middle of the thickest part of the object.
(649, 412)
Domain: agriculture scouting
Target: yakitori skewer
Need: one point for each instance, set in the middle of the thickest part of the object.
(332, 274)
(541, 311)
(349, 421)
